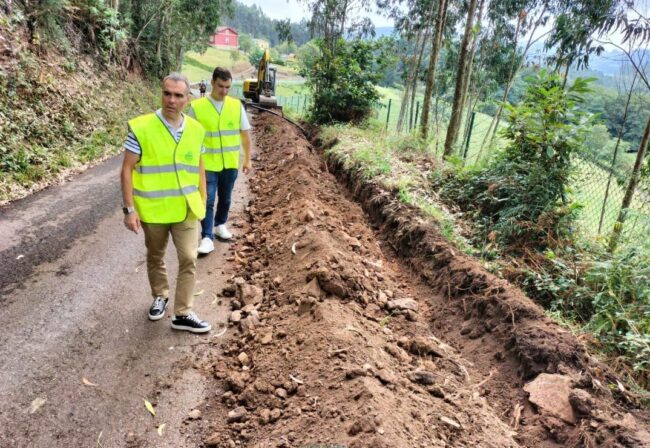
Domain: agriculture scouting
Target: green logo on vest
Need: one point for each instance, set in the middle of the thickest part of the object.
(231, 124)
(189, 156)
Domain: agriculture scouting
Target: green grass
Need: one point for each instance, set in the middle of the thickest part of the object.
(438, 130)
(393, 161)
(195, 74)
(213, 57)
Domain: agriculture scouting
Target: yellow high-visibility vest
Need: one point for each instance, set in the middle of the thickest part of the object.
(222, 139)
(166, 178)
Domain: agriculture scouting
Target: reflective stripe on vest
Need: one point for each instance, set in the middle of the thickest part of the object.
(222, 138)
(166, 178)
(165, 193)
(166, 168)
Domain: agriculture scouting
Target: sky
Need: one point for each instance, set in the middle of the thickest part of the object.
(295, 10)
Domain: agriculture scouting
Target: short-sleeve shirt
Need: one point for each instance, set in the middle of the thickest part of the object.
(244, 124)
(133, 145)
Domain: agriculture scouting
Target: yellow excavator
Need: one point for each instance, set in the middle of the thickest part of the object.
(261, 91)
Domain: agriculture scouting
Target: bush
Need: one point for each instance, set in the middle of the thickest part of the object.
(520, 197)
(342, 79)
(621, 304)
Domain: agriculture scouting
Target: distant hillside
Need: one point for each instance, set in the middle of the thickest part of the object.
(607, 64)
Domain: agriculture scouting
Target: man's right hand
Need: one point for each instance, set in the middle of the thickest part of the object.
(132, 222)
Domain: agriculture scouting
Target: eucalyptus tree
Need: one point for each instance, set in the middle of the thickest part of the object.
(454, 121)
(528, 16)
(413, 22)
(441, 20)
(161, 30)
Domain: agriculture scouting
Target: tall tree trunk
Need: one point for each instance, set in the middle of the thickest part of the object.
(436, 118)
(631, 188)
(470, 65)
(565, 75)
(414, 86)
(403, 108)
(407, 85)
(431, 72)
(514, 69)
(454, 122)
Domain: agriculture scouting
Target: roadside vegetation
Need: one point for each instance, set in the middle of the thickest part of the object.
(72, 73)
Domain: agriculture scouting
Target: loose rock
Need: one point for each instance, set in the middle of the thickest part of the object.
(550, 393)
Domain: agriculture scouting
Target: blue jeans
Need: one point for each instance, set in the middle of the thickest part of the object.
(220, 184)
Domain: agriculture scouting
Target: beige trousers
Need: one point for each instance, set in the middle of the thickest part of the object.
(185, 237)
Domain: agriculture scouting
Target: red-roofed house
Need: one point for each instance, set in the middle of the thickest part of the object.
(225, 37)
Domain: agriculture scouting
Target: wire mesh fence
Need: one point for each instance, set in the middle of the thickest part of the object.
(298, 104)
(597, 186)
(600, 190)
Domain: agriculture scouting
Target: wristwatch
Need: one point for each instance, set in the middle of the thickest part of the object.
(128, 210)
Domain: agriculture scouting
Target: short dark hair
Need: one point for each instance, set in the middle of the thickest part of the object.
(222, 74)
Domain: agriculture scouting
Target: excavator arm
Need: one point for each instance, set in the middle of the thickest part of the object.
(261, 91)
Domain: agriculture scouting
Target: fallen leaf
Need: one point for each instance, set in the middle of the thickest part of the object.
(87, 382)
(296, 380)
(161, 429)
(36, 404)
(293, 248)
(216, 297)
(198, 293)
(150, 408)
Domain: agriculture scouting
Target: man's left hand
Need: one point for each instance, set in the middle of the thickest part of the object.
(247, 166)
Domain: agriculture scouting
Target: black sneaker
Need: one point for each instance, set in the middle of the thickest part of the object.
(191, 323)
(157, 310)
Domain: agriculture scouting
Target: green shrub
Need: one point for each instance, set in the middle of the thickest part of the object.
(519, 198)
(621, 304)
(342, 79)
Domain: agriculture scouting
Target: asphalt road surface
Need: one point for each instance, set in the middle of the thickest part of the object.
(78, 355)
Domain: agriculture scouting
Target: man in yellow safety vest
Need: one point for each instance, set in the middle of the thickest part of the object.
(227, 128)
(163, 189)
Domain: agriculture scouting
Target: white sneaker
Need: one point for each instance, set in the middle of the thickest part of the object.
(206, 246)
(222, 232)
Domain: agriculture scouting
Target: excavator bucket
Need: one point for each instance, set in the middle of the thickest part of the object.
(269, 102)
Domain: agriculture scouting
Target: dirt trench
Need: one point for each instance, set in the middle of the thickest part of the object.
(356, 328)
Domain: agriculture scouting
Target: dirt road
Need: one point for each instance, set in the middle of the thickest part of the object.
(74, 298)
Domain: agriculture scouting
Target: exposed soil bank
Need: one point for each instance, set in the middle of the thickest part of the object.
(338, 342)
(504, 333)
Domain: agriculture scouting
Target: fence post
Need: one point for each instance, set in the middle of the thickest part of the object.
(417, 113)
(469, 136)
(390, 100)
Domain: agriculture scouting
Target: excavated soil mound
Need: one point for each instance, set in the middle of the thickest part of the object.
(336, 342)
